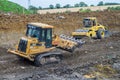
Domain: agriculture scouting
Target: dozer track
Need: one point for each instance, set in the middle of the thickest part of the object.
(50, 57)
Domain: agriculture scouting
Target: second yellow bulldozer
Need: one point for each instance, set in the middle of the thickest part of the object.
(91, 29)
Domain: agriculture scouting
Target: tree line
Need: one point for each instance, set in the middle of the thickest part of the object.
(81, 4)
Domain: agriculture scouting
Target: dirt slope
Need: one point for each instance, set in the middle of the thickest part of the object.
(71, 21)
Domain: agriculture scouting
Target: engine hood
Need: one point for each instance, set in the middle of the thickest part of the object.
(30, 39)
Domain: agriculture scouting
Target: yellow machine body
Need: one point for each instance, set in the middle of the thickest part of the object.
(32, 48)
(32, 44)
(92, 29)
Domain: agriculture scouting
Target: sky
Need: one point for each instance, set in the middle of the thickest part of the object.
(46, 3)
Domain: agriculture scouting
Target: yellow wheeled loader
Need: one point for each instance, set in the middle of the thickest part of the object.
(91, 29)
(39, 43)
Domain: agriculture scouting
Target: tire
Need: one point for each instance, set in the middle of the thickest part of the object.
(100, 34)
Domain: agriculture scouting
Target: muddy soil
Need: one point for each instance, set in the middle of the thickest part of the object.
(73, 66)
(64, 23)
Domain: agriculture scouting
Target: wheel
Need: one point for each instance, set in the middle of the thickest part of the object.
(91, 35)
(100, 34)
(39, 60)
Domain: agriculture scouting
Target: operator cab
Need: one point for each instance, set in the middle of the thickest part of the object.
(42, 32)
(89, 22)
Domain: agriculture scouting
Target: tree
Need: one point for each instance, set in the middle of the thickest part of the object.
(40, 7)
(82, 4)
(58, 6)
(100, 3)
(112, 3)
(67, 6)
(76, 5)
(32, 8)
(91, 5)
(51, 6)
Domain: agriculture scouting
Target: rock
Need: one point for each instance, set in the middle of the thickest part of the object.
(75, 74)
(22, 67)
(78, 76)
(116, 66)
(111, 47)
(29, 79)
(86, 52)
(61, 17)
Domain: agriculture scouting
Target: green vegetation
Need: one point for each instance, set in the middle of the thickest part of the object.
(91, 5)
(112, 4)
(67, 6)
(76, 5)
(108, 9)
(82, 4)
(114, 8)
(101, 3)
(7, 6)
(68, 11)
(85, 10)
(58, 6)
(51, 6)
(33, 9)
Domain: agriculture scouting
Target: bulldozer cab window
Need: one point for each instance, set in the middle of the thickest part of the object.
(43, 35)
(88, 23)
(94, 23)
(33, 31)
(48, 34)
(47, 37)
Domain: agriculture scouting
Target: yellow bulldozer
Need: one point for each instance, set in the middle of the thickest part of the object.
(39, 43)
(91, 29)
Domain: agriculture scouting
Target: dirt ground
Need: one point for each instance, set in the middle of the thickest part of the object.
(63, 22)
(99, 59)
